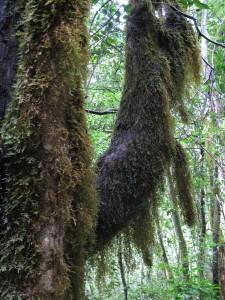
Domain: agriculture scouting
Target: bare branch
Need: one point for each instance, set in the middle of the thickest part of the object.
(97, 12)
(101, 113)
(208, 64)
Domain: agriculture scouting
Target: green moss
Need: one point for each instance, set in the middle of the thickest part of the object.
(47, 153)
(162, 62)
(182, 50)
(184, 186)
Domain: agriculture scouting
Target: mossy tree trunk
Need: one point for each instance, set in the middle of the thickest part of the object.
(8, 51)
(46, 152)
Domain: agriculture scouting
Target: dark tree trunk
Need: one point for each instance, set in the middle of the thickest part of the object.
(168, 271)
(48, 201)
(122, 273)
(9, 15)
(222, 270)
(202, 230)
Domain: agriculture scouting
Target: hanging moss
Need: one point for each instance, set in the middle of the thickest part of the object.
(184, 186)
(182, 50)
(47, 156)
(162, 58)
(143, 231)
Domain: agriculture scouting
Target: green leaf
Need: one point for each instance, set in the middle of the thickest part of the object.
(200, 5)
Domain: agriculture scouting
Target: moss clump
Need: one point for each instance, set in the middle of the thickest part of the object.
(182, 51)
(162, 57)
(48, 180)
(184, 185)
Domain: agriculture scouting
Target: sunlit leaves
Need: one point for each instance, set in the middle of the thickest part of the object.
(196, 3)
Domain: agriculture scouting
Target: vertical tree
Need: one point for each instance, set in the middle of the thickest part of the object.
(47, 161)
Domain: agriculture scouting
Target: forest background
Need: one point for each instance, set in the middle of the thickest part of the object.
(186, 263)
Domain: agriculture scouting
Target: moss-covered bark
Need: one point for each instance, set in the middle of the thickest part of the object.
(9, 14)
(162, 57)
(47, 160)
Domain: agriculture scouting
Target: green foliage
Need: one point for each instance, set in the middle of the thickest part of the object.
(189, 3)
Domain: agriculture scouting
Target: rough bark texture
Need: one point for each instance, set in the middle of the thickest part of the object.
(8, 51)
(46, 153)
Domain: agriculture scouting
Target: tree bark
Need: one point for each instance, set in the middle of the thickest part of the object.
(122, 273)
(48, 190)
(222, 270)
(9, 15)
(178, 229)
(216, 212)
(202, 229)
(168, 271)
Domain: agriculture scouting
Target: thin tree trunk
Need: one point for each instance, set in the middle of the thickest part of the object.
(215, 178)
(122, 273)
(178, 229)
(9, 16)
(168, 271)
(202, 229)
(222, 270)
(216, 230)
(202, 234)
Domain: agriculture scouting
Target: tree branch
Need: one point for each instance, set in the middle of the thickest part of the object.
(196, 26)
(208, 64)
(101, 113)
(97, 12)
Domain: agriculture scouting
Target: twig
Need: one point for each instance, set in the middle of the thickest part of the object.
(104, 24)
(208, 64)
(196, 26)
(101, 113)
(97, 12)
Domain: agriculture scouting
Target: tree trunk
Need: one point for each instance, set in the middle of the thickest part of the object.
(216, 230)
(168, 271)
(222, 270)
(177, 224)
(122, 273)
(202, 229)
(46, 152)
(9, 15)
(215, 177)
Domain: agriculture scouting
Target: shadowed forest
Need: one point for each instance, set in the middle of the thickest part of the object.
(112, 150)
